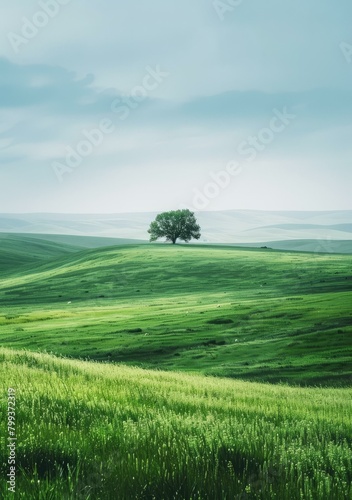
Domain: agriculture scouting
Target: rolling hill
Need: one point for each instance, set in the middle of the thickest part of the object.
(75, 242)
(177, 342)
(255, 314)
(305, 245)
(330, 231)
(19, 251)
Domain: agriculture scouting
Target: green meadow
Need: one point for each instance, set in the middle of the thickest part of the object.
(252, 314)
(93, 430)
(186, 372)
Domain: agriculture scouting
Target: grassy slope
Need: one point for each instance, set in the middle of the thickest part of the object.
(91, 431)
(323, 245)
(21, 251)
(255, 314)
(78, 241)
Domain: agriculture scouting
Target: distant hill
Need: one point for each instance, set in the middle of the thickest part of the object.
(78, 242)
(255, 226)
(126, 226)
(19, 251)
(330, 246)
(292, 230)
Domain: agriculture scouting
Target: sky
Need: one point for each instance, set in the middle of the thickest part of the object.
(131, 106)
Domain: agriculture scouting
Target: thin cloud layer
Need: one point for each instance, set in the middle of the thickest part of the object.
(140, 100)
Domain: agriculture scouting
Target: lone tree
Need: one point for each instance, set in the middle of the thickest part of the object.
(174, 225)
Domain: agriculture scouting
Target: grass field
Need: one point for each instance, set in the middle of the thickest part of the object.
(251, 314)
(18, 252)
(139, 424)
(89, 430)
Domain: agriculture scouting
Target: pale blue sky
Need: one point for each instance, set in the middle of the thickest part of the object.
(201, 86)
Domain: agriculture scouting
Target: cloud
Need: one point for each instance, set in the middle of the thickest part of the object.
(55, 93)
(225, 79)
(52, 107)
(49, 87)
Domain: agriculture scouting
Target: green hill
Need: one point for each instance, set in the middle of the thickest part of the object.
(18, 251)
(80, 241)
(91, 431)
(316, 246)
(251, 314)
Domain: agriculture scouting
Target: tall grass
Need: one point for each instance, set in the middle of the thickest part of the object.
(97, 431)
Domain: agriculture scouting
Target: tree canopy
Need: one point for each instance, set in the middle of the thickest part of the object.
(174, 225)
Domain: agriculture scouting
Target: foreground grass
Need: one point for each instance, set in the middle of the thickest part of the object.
(251, 314)
(97, 431)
